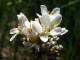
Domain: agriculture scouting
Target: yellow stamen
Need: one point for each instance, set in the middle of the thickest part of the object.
(51, 26)
(24, 38)
(19, 29)
(57, 24)
(39, 20)
(53, 49)
(44, 27)
(49, 12)
(30, 29)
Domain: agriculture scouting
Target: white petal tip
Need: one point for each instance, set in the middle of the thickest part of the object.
(55, 11)
(19, 17)
(12, 38)
(42, 5)
(64, 31)
(38, 15)
(43, 9)
(44, 39)
(14, 31)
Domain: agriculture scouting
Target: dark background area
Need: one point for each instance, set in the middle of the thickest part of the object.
(70, 10)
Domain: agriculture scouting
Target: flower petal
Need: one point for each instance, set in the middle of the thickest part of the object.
(22, 18)
(64, 31)
(56, 19)
(14, 30)
(56, 31)
(36, 27)
(27, 24)
(38, 15)
(24, 31)
(43, 9)
(11, 39)
(45, 20)
(55, 10)
(44, 38)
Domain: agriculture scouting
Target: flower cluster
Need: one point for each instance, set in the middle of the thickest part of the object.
(44, 30)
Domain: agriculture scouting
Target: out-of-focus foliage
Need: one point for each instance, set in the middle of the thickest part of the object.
(70, 10)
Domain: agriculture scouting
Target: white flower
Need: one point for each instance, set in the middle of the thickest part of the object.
(49, 23)
(22, 29)
(42, 27)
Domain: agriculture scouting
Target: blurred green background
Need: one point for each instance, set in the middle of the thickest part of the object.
(70, 10)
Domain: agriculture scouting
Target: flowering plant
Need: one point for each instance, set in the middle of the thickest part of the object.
(44, 30)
